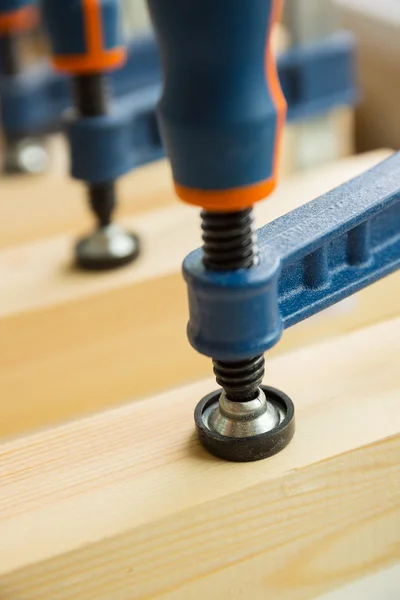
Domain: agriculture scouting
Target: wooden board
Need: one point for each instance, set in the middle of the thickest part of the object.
(126, 505)
(41, 206)
(73, 343)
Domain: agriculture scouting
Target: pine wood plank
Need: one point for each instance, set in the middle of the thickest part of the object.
(125, 505)
(51, 204)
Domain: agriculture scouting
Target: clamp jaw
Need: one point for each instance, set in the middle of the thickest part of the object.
(309, 259)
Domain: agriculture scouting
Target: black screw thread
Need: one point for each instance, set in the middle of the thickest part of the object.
(229, 245)
(91, 100)
(229, 240)
(102, 199)
(91, 94)
(10, 55)
(240, 380)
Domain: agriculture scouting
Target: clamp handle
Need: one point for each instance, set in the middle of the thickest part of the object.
(85, 35)
(222, 111)
(17, 15)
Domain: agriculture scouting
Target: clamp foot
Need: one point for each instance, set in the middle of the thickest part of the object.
(245, 431)
(107, 248)
(28, 156)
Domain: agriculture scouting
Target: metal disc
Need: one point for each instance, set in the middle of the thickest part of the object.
(107, 248)
(247, 448)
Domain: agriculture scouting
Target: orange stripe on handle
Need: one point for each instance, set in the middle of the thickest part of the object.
(22, 19)
(226, 200)
(97, 59)
(239, 198)
(93, 26)
(275, 89)
(83, 63)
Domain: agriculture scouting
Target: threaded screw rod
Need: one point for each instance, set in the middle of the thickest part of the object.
(91, 100)
(10, 55)
(230, 244)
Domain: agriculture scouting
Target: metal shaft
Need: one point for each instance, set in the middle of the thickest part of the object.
(91, 99)
(9, 53)
(230, 244)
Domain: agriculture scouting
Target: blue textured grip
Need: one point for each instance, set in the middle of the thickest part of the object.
(218, 120)
(8, 6)
(319, 254)
(65, 24)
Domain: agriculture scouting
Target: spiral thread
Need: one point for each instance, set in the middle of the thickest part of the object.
(102, 199)
(91, 100)
(229, 240)
(91, 94)
(10, 59)
(240, 380)
(230, 244)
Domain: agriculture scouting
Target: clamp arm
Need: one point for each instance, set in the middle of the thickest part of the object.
(309, 259)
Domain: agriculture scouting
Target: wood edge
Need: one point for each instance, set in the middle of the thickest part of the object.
(178, 459)
(218, 547)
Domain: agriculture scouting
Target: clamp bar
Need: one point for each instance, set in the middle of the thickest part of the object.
(310, 259)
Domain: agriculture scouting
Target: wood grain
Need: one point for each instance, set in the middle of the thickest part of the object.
(42, 206)
(73, 343)
(125, 505)
(39, 274)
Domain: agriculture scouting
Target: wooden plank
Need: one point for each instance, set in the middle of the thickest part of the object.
(36, 207)
(126, 505)
(73, 343)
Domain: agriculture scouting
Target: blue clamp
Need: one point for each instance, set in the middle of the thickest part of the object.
(310, 259)
(319, 76)
(104, 148)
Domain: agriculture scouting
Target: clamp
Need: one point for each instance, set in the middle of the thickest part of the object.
(309, 259)
(221, 116)
(86, 43)
(23, 154)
